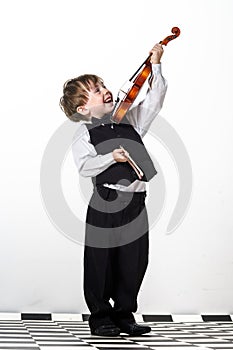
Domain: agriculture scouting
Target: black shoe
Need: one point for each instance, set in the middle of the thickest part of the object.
(132, 328)
(107, 330)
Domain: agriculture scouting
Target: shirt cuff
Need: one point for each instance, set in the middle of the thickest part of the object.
(107, 159)
(156, 68)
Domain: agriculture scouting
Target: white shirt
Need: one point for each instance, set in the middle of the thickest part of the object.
(89, 163)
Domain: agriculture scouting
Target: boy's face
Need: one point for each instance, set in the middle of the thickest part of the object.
(100, 101)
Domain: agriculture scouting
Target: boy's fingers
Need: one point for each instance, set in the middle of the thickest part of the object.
(157, 47)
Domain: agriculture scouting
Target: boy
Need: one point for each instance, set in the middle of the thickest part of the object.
(116, 241)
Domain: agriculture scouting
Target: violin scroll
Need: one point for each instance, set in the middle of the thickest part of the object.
(175, 31)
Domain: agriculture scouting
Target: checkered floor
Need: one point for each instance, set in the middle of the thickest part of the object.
(29, 334)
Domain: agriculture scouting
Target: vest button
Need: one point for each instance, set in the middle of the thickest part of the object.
(118, 135)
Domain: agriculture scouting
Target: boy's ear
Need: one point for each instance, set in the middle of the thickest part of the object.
(82, 110)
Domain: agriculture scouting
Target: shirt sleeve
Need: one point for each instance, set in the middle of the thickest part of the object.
(142, 115)
(88, 162)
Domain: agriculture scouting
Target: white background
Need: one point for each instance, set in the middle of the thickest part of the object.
(44, 43)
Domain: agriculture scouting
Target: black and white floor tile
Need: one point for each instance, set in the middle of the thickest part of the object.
(63, 332)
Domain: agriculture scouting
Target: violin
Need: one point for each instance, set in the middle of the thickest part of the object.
(129, 91)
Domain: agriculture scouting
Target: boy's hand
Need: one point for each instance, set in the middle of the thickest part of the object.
(157, 52)
(120, 155)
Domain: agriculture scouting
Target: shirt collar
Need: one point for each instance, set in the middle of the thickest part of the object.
(104, 120)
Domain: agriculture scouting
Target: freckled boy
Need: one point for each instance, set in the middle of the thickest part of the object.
(114, 262)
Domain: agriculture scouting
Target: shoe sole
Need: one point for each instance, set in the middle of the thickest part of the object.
(106, 333)
(136, 334)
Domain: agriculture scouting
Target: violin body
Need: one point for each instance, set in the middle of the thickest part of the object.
(130, 91)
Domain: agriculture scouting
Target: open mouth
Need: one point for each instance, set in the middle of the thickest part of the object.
(108, 99)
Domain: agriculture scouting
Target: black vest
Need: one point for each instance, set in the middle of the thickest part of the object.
(106, 137)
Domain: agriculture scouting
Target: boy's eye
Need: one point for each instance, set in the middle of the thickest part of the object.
(97, 90)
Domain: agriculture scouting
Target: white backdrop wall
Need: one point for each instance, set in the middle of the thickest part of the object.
(44, 43)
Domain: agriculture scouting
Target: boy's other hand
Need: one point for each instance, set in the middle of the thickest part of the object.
(119, 155)
(157, 52)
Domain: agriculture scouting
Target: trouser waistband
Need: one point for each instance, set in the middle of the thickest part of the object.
(117, 193)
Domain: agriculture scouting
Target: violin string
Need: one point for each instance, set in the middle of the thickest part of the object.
(145, 62)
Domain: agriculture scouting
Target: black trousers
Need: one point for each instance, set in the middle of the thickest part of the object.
(115, 255)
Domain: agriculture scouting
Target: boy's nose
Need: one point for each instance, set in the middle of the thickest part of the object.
(104, 90)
